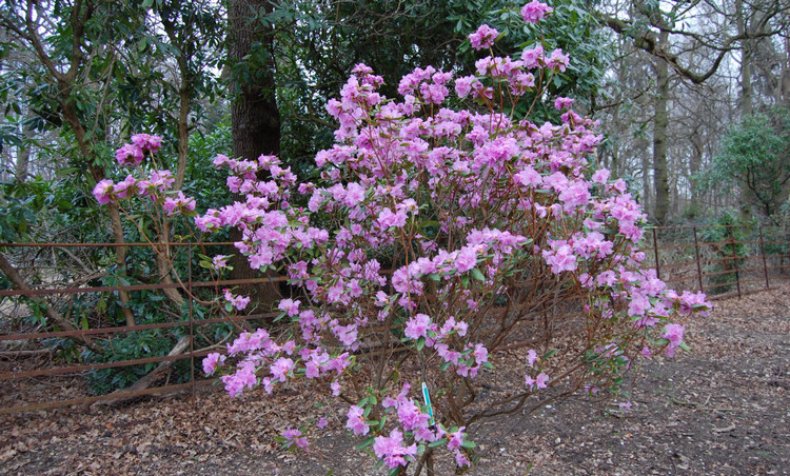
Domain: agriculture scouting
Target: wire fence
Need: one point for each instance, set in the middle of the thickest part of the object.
(54, 323)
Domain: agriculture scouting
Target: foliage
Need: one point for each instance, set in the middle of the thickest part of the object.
(132, 345)
(755, 156)
(318, 43)
(726, 236)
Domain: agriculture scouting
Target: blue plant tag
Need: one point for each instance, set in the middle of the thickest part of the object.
(427, 397)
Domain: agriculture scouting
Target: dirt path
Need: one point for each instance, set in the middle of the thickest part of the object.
(722, 409)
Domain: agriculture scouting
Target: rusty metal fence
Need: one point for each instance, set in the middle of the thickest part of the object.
(742, 261)
(683, 257)
(29, 367)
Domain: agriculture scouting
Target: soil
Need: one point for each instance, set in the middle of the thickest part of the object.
(721, 409)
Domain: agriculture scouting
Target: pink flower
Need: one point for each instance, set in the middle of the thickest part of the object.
(674, 334)
(532, 357)
(528, 177)
(211, 361)
(601, 176)
(465, 85)
(483, 38)
(388, 219)
(356, 421)
(466, 259)
(391, 450)
(558, 60)
(103, 191)
(239, 302)
(532, 57)
(560, 258)
(220, 262)
(181, 204)
(281, 367)
(129, 154)
(410, 416)
(539, 383)
(563, 103)
(535, 11)
(289, 307)
(455, 440)
(294, 437)
(147, 143)
(461, 460)
(417, 326)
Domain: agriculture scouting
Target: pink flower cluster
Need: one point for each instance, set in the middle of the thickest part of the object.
(467, 204)
(535, 11)
(483, 38)
(133, 154)
(156, 187)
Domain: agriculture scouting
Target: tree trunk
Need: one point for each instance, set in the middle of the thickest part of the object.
(745, 100)
(22, 165)
(695, 165)
(660, 126)
(255, 118)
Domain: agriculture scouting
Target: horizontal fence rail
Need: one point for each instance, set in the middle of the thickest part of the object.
(745, 261)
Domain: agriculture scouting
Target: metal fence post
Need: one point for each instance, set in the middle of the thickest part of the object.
(655, 252)
(191, 324)
(696, 254)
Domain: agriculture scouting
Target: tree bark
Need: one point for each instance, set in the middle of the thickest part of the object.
(660, 126)
(255, 118)
(745, 99)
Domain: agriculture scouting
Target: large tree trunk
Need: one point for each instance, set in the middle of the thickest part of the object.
(660, 126)
(254, 114)
(255, 117)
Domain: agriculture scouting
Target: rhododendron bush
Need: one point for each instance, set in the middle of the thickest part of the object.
(442, 232)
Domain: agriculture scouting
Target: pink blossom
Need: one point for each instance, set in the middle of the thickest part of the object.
(673, 333)
(483, 38)
(535, 11)
(455, 440)
(560, 258)
(417, 326)
(281, 368)
(289, 307)
(563, 103)
(294, 437)
(601, 176)
(239, 302)
(466, 259)
(558, 60)
(532, 57)
(147, 143)
(532, 357)
(103, 191)
(356, 421)
(129, 154)
(391, 450)
(211, 361)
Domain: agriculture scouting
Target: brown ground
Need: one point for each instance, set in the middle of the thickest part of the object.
(722, 409)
